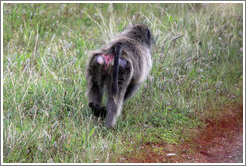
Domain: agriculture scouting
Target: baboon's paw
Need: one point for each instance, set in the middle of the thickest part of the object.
(111, 127)
(97, 110)
(102, 113)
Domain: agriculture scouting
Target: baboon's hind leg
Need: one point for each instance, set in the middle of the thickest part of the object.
(131, 90)
(115, 103)
(95, 100)
(95, 88)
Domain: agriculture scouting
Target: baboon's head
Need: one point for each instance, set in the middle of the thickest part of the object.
(142, 34)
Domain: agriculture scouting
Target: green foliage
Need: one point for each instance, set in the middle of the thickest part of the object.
(197, 71)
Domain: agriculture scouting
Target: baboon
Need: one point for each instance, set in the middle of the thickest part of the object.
(119, 69)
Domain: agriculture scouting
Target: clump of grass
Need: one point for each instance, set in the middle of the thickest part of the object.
(197, 69)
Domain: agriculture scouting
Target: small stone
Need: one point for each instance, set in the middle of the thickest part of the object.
(171, 154)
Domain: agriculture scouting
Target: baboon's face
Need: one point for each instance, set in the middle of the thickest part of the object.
(142, 34)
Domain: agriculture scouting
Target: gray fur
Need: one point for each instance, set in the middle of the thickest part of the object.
(133, 47)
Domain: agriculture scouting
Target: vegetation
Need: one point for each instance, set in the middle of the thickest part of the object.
(197, 71)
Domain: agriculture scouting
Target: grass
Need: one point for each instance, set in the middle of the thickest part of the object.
(197, 70)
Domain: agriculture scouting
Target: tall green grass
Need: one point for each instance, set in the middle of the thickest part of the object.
(197, 71)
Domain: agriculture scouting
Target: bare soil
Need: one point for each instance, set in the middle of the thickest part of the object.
(221, 141)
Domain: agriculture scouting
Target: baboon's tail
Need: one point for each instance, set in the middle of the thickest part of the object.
(117, 54)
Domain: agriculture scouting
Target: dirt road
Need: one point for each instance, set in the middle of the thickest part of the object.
(220, 142)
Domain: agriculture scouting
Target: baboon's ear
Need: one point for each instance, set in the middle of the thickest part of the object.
(148, 34)
(150, 37)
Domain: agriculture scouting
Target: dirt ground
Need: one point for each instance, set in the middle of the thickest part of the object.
(221, 141)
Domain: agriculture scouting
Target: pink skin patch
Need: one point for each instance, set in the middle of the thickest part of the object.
(108, 58)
